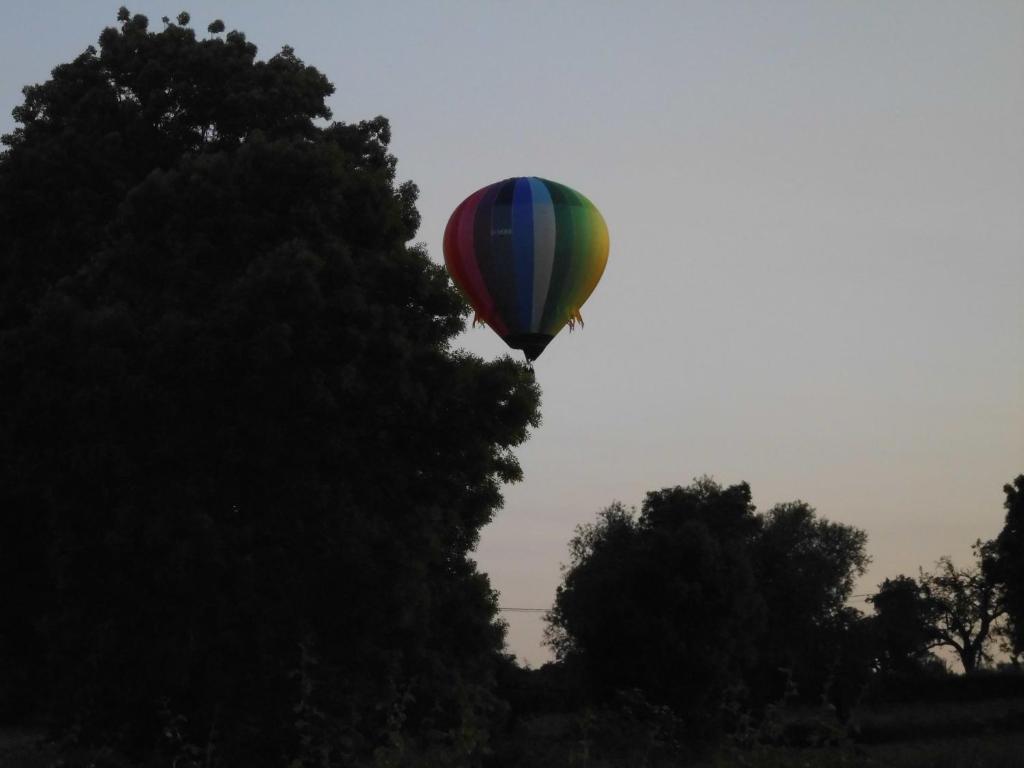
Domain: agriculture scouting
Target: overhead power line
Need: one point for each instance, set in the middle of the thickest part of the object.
(525, 610)
(511, 609)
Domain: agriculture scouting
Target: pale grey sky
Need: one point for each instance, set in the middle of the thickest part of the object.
(817, 223)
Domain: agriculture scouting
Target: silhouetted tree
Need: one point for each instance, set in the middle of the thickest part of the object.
(853, 661)
(903, 624)
(663, 602)
(699, 593)
(241, 471)
(965, 606)
(1006, 566)
(806, 567)
(727, 512)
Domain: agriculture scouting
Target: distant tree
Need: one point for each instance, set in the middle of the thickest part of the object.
(805, 567)
(852, 664)
(727, 512)
(903, 624)
(661, 602)
(699, 593)
(241, 469)
(1006, 566)
(965, 605)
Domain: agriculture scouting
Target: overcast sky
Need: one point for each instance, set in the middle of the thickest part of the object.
(816, 279)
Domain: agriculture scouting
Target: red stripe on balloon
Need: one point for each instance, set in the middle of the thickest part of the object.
(452, 257)
(469, 269)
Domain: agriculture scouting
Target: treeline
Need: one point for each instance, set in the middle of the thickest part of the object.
(700, 604)
(243, 470)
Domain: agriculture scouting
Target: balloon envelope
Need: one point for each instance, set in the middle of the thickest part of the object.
(527, 253)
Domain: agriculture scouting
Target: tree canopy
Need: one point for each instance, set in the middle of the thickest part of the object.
(903, 624)
(241, 469)
(659, 602)
(699, 593)
(965, 604)
(1006, 565)
(806, 567)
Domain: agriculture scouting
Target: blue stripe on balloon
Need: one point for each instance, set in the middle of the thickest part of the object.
(522, 244)
(502, 267)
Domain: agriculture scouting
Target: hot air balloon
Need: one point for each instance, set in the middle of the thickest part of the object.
(526, 253)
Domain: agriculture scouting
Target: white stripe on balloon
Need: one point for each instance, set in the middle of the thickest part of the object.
(543, 248)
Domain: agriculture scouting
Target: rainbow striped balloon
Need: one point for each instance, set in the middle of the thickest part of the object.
(526, 252)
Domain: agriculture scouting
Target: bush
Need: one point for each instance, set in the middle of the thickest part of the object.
(889, 688)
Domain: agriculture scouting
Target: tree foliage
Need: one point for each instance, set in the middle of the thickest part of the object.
(241, 471)
(1006, 566)
(903, 624)
(965, 605)
(664, 602)
(806, 568)
(699, 593)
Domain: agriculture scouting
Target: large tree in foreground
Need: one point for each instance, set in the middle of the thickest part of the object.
(241, 471)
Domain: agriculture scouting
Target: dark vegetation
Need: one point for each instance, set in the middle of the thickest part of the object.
(242, 472)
